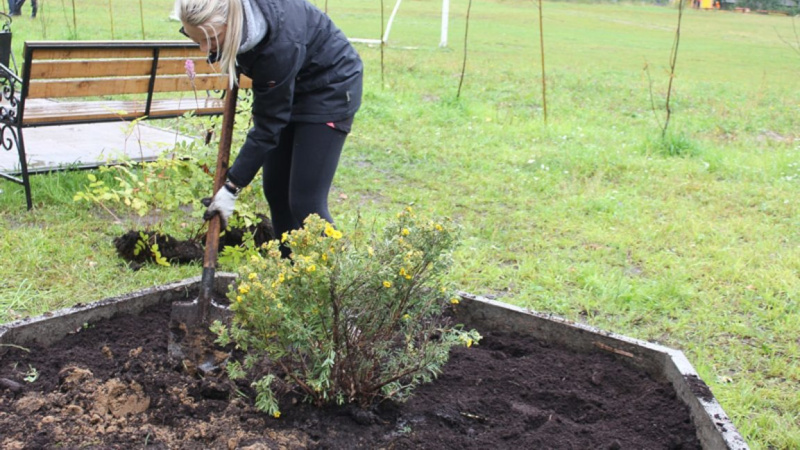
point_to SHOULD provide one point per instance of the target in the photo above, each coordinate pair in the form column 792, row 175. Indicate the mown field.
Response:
column 691, row 241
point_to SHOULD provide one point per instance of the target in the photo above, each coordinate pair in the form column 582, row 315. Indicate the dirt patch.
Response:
column 111, row 385
column 135, row 246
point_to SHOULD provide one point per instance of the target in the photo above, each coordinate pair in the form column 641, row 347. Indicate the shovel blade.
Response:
column 191, row 343
column 191, row 314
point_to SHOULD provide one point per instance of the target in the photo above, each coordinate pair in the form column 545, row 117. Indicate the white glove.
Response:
column 221, row 204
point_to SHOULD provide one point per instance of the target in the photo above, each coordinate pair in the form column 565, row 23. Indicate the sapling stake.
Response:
column 673, row 59
column 74, row 20
column 382, row 44
column 141, row 17
column 464, row 62
column 111, row 17
column 544, row 78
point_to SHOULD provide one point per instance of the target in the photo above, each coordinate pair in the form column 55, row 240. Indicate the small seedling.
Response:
column 31, row 375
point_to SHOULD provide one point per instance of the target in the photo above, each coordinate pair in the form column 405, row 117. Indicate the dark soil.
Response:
column 183, row 251
column 112, row 385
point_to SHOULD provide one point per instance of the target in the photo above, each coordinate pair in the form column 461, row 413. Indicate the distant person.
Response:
column 15, row 7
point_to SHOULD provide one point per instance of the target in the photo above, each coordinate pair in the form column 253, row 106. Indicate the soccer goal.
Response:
column 385, row 38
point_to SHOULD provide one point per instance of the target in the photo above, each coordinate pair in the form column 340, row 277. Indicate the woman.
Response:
column 306, row 89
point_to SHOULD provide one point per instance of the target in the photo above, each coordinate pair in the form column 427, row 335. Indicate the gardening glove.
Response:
column 222, row 203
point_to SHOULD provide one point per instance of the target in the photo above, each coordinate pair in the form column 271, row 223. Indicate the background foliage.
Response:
column 694, row 244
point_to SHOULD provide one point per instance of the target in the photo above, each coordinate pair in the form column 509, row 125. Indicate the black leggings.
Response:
column 298, row 174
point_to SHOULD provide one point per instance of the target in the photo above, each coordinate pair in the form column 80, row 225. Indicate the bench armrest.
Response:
column 9, row 96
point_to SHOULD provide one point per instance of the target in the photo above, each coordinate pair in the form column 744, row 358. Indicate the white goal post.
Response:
column 385, row 38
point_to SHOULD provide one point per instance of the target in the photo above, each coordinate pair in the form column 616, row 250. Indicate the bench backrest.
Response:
column 60, row 69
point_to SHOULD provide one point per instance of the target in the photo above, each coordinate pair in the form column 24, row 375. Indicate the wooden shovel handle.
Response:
column 215, row 224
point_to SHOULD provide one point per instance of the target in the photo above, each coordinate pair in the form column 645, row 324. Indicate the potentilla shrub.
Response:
column 349, row 318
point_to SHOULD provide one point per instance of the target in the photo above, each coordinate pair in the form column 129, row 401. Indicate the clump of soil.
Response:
column 177, row 251
column 112, row 385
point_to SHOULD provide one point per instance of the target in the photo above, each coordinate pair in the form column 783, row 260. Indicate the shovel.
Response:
column 191, row 342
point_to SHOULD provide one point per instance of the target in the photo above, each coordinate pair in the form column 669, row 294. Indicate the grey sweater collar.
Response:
column 254, row 26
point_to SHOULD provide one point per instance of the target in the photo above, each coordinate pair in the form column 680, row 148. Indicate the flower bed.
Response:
column 78, row 378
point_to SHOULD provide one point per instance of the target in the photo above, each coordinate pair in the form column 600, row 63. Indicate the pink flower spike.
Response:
column 190, row 69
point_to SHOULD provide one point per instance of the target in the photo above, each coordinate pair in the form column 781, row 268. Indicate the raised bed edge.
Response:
column 45, row 329
column 714, row 427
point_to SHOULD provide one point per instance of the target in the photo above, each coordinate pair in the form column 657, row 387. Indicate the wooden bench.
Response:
column 79, row 82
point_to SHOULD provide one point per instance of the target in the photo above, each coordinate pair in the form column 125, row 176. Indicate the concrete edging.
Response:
column 53, row 326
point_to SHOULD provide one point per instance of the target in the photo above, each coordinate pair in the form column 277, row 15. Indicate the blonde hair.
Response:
column 209, row 16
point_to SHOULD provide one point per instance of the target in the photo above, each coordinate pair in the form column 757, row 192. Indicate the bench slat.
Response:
column 123, row 85
column 51, row 69
column 124, row 53
column 53, row 112
column 168, row 66
column 182, row 53
column 88, row 53
column 47, row 70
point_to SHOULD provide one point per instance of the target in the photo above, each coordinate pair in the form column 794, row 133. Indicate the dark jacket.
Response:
column 304, row 70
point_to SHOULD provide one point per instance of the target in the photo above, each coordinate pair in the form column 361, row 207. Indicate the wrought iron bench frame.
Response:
column 71, row 71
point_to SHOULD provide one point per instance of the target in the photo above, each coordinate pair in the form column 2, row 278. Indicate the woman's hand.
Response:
column 221, row 204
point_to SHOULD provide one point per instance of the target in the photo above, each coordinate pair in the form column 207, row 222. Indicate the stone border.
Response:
column 715, row 430
column 53, row 326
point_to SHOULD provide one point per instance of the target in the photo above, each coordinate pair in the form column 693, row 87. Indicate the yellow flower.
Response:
column 332, row 232
column 454, row 301
column 324, row 257
column 370, row 251
column 406, row 317
column 311, row 268
column 405, row 232
column 254, row 258
column 387, row 284
column 438, row 227
column 276, row 414
column 252, row 276
column 238, row 299
column 469, row 343
column 281, row 277
column 405, row 274
column 244, row 289
column 284, row 237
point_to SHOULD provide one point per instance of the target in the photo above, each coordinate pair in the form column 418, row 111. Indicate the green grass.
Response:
column 692, row 242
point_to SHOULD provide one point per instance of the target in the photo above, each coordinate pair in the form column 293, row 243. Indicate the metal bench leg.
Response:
column 23, row 167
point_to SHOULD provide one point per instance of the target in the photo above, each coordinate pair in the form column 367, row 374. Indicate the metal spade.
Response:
column 191, row 342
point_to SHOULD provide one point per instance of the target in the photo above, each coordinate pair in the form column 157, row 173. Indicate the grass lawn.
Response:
column 692, row 241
